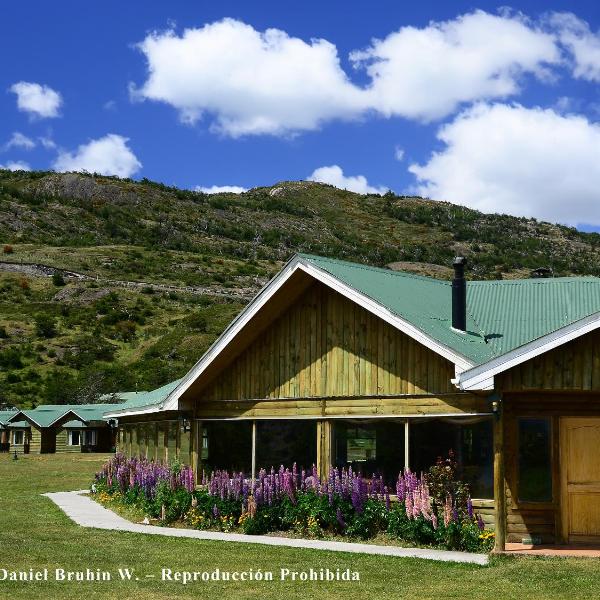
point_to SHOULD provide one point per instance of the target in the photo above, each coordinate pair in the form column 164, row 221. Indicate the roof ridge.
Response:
column 372, row 268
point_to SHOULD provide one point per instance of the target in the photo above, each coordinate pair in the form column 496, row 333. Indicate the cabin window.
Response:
column 18, row 438
column 471, row 445
column 535, row 460
column 89, row 437
column 204, row 445
column 229, row 446
column 370, row 447
column 185, row 433
column 284, row 442
column 74, row 437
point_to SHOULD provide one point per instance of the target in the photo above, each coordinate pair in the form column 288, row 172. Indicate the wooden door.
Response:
column 580, row 479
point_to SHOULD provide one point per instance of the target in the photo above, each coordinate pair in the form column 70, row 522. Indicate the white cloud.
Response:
column 221, row 189
column 582, row 43
column 47, row 143
column 334, row 175
column 525, row 162
column 19, row 140
column 399, row 153
column 16, row 165
column 251, row 82
column 37, row 100
column 108, row 155
column 427, row 73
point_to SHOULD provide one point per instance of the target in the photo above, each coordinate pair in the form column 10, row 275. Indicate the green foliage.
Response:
column 45, row 325
column 58, row 279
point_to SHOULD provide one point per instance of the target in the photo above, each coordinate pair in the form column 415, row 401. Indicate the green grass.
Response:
column 36, row 534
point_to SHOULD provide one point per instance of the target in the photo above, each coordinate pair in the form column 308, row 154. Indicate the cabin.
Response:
column 61, row 428
column 343, row 364
column 5, row 416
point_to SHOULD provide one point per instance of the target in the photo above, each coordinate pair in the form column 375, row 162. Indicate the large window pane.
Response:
column 372, row 447
column 172, row 443
column 535, row 464
column 471, row 444
column 229, row 446
column 285, row 443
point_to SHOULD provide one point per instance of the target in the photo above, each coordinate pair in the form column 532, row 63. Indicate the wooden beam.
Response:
column 324, row 450
column 499, row 483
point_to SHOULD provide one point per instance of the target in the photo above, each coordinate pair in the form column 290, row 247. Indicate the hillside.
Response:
column 146, row 276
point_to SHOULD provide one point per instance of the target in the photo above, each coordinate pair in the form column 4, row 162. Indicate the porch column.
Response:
column 253, row 451
column 499, row 484
column 324, row 452
column 406, row 446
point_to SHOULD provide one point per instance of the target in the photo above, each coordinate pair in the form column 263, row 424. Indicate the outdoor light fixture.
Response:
column 112, row 423
column 15, row 456
column 496, row 405
column 185, row 423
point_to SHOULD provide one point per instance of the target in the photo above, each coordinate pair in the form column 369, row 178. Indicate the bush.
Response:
column 45, row 325
column 344, row 504
column 58, row 279
column 8, row 249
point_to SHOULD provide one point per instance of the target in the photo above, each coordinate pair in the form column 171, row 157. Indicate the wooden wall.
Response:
column 572, row 366
column 540, row 519
column 326, row 345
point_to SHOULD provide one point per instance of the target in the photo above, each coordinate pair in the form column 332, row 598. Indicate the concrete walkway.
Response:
column 580, row 551
column 88, row 513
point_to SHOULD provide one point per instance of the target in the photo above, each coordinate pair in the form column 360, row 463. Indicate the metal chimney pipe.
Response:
column 459, row 295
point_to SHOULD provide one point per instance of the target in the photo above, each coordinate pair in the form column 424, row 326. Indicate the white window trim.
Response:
column 70, row 433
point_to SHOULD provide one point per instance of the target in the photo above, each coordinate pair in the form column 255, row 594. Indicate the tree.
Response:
column 45, row 325
column 57, row 279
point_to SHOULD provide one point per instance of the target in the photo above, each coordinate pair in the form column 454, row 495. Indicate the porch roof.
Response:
column 141, row 400
column 6, row 416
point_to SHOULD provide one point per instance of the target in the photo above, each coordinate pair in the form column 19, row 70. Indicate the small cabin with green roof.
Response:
column 61, row 428
column 5, row 416
column 343, row 364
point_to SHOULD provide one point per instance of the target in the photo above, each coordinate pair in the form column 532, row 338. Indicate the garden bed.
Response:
column 433, row 510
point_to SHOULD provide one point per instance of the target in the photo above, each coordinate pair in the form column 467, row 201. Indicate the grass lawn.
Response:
column 36, row 534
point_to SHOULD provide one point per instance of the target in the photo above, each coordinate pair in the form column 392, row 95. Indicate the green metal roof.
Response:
column 144, row 399
column 74, row 424
column 19, row 425
column 501, row 315
column 47, row 414
column 5, row 416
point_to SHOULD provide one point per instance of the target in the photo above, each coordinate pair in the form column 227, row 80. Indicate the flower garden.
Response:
column 432, row 510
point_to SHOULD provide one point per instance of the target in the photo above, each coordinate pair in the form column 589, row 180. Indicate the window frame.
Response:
column 70, row 433
column 523, row 504
column 22, row 433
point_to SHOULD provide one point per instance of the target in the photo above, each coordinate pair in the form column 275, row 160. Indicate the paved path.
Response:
column 87, row 513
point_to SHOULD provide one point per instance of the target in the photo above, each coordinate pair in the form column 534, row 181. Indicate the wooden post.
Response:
column 499, row 484
column 166, row 442
column 406, row 446
column 253, row 451
column 323, row 448
column 194, row 448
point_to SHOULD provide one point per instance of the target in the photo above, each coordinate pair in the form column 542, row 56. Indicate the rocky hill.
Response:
column 110, row 284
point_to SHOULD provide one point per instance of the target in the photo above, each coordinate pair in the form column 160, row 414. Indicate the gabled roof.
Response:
column 6, row 416
column 508, row 319
column 138, row 401
column 47, row 415
column 74, row 424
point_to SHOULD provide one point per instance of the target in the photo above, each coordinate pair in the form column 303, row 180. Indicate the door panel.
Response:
column 580, row 479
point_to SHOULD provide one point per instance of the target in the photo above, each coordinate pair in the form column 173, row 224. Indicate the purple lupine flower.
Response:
column 480, row 523
column 340, row 519
column 470, row 507
column 215, row 511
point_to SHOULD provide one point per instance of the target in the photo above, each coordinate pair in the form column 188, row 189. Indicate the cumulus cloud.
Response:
column 221, row 189
column 252, row 82
column 19, row 140
column 16, row 165
column 109, row 155
column 399, row 153
column 37, row 100
column 522, row 161
column 582, row 43
column 334, row 175
column 427, row 73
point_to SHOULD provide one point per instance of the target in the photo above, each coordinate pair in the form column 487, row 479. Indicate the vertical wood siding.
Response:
column 326, row 345
column 572, row 366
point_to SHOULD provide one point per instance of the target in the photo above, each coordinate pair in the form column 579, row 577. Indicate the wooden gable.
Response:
column 573, row 366
column 325, row 345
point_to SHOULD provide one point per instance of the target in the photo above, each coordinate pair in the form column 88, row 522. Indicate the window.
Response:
column 370, row 447
column 204, row 451
column 535, row 460
column 73, row 437
column 18, row 438
column 470, row 442
column 284, row 442
column 89, row 437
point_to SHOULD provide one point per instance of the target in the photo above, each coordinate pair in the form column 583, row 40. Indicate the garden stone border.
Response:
column 87, row 513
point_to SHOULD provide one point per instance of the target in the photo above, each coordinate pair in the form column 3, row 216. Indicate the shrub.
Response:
column 8, row 249
column 287, row 500
column 58, row 279
column 45, row 325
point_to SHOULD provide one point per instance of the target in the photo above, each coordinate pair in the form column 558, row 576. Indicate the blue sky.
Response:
column 493, row 108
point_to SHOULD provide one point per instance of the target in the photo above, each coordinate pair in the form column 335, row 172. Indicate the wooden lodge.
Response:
column 340, row 364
